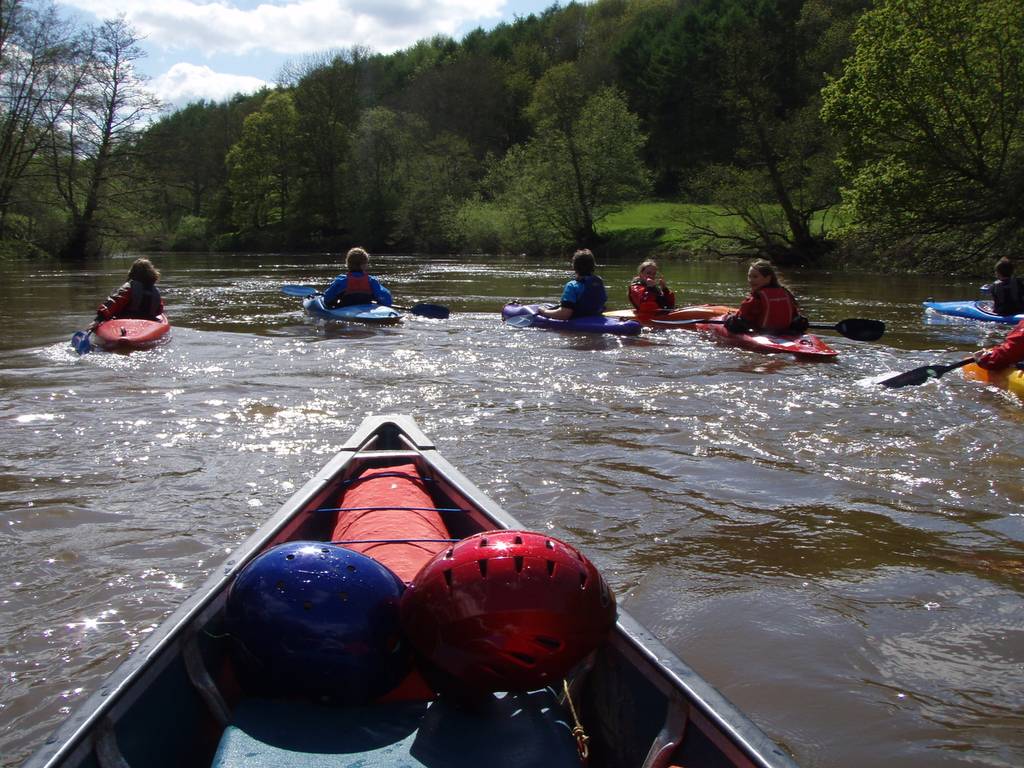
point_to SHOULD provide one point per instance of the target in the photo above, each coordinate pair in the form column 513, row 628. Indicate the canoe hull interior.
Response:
column 180, row 698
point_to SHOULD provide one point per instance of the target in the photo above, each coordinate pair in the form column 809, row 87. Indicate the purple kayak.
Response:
column 526, row 316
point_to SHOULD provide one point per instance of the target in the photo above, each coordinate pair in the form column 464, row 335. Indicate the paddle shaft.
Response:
column 852, row 328
column 922, row 374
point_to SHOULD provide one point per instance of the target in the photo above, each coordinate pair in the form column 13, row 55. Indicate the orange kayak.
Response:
column 1011, row 379
column 669, row 317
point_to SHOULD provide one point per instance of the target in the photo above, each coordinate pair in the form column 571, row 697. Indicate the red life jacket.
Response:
column 357, row 289
column 780, row 309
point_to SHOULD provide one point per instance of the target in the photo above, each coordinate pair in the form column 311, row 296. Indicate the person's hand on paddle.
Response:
column 981, row 355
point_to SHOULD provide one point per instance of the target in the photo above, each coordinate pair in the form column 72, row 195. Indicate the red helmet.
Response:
column 506, row 611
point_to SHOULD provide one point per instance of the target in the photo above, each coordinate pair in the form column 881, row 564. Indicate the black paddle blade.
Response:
column 922, row 374
column 435, row 311
column 861, row 330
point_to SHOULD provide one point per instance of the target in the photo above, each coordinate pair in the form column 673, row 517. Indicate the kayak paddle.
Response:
column 922, row 374
column 853, row 328
column 299, row 290
column 80, row 341
column 436, row 311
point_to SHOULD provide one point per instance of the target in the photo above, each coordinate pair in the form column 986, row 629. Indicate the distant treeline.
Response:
column 893, row 128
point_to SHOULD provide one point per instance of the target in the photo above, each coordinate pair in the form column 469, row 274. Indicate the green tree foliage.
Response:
column 328, row 99
column 262, row 166
column 582, row 163
column 931, row 111
column 379, row 167
column 183, row 158
column 770, row 56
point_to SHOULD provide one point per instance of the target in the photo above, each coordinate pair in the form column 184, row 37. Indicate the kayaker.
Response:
column 582, row 296
column 356, row 286
column 137, row 298
column 1007, row 290
column 1010, row 352
column 770, row 307
column 648, row 292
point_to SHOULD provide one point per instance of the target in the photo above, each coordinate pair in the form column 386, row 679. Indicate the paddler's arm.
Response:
column 562, row 313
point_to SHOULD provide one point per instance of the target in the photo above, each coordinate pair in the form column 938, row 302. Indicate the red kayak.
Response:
column 806, row 346
column 131, row 333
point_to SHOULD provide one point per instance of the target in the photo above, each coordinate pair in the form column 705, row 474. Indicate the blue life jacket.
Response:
column 593, row 298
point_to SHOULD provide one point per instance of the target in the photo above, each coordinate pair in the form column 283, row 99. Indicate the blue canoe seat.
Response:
column 513, row 730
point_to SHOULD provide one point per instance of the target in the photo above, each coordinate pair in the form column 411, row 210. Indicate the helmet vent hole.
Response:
column 519, row 564
column 551, row 567
column 523, row 658
column 448, row 555
column 583, row 579
column 519, row 540
column 279, row 585
column 549, row 544
column 483, row 542
column 483, row 567
column 289, row 556
column 448, row 577
column 550, row 643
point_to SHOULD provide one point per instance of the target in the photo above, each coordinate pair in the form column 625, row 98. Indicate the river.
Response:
column 843, row 561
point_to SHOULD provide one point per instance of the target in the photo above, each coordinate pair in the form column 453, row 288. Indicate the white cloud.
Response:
column 292, row 28
column 184, row 83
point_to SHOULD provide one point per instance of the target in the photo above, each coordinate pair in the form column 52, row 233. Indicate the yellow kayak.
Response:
column 1005, row 378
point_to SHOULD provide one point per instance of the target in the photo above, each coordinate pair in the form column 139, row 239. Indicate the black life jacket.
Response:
column 1008, row 296
column 144, row 302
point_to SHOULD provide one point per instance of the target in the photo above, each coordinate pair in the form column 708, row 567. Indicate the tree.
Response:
column 771, row 58
column 382, row 150
column 90, row 154
column 262, row 166
column 931, row 112
column 582, row 163
column 42, row 65
column 327, row 101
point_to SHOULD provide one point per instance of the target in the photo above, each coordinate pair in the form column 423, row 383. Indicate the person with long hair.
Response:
column 770, row 307
column 137, row 298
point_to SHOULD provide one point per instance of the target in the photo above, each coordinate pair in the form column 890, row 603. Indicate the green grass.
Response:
column 664, row 226
column 661, row 226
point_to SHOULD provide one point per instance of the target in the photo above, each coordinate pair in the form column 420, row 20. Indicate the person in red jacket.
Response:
column 1008, row 353
column 137, row 298
column 648, row 292
column 770, row 307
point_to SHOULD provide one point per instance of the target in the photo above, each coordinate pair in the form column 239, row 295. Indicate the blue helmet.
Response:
column 316, row 618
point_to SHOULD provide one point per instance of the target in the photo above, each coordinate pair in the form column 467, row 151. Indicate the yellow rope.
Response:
column 577, row 731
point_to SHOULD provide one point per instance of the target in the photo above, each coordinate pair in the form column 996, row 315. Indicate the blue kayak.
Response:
column 974, row 310
column 526, row 316
column 373, row 314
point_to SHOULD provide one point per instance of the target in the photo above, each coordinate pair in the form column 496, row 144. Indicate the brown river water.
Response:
column 843, row 561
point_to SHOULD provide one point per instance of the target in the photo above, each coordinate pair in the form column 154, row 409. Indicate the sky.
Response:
column 198, row 49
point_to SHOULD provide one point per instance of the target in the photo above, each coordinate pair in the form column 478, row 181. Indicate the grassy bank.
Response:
column 663, row 228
